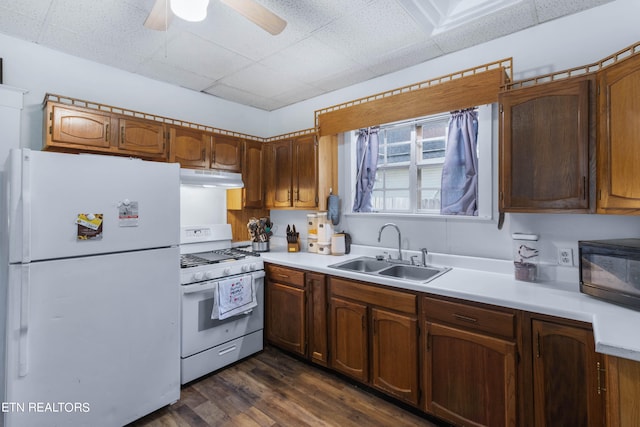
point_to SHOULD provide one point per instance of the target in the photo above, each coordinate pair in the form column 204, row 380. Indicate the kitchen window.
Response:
column 409, row 168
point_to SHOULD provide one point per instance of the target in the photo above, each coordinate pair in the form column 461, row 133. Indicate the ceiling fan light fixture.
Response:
column 190, row 10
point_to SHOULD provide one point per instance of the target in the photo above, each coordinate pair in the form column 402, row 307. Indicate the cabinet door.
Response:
column 69, row 126
column 189, row 147
column 545, row 148
column 305, row 180
column 141, row 136
column 394, row 352
column 286, row 320
column 623, row 389
column 565, row 376
column 226, row 153
column 280, row 168
column 349, row 343
column 469, row 378
column 618, row 147
column 317, row 316
column 252, row 175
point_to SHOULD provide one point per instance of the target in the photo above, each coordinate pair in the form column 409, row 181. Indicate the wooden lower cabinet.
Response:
column 623, row 390
column 286, row 309
column 316, row 287
column 394, row 354
column 467, row 363
column 567, row 376
column 469, row 376
column 296, row 312
column 374, row 336
column 349, row 338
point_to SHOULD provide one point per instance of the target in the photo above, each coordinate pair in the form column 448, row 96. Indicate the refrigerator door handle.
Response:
column 26, row 206
column 23, row 365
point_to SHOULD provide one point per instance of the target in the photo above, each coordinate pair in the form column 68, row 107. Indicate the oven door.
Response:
column 200, row 332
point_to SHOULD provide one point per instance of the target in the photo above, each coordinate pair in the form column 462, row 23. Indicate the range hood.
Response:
column 211, row 178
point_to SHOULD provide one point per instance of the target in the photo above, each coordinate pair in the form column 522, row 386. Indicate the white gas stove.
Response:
column 206, row 253
column 209, row 264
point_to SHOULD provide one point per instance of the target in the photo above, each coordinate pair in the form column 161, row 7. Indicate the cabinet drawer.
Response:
column 470, row 317
column 285, row 275
column 382, row 297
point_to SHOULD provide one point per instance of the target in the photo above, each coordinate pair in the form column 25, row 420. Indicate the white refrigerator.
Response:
column 90, row 283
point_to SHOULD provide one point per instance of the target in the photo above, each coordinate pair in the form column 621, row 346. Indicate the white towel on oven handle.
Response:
column 234, row 296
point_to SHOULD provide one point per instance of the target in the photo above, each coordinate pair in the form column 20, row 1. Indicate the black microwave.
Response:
column 610, row 270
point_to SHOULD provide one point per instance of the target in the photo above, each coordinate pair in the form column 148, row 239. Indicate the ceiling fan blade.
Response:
column 258, row 14
column 159, row 17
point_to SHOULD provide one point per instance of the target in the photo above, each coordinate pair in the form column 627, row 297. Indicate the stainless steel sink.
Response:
column 382, row 268
column 363, row 265
column 412, row 272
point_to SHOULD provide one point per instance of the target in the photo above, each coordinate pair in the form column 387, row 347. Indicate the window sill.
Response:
column 463, row 218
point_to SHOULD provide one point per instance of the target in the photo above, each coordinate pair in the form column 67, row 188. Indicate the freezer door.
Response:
column 93, row 341
column 67, row 205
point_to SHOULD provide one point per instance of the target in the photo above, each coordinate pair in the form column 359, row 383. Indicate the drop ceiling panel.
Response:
column 197, row 55
column 310, row 60
column 509, row 20
column 326, row 45
column 379, row 29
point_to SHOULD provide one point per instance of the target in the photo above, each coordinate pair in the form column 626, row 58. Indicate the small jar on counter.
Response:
column 525, row 256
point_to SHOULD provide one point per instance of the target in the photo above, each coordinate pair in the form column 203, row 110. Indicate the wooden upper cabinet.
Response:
column 618, row 138
column 76, row 129
column 69, row 126
column 305, row 180
column 566, row 374
column 189, row 147
column 141, row 136
column 279, row 167
column 253, row 175
column 292, row 173
column 545, row 144
column 226, row 153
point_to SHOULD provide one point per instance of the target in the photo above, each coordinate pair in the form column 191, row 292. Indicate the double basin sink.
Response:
column 391, row 269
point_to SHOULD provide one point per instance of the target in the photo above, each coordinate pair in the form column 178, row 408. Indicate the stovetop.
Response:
column 215, row 256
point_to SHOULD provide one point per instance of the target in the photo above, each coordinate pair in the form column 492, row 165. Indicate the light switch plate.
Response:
column 565, row 257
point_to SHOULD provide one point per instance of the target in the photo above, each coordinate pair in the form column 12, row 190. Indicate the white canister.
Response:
column 312, row 245
column 321, row 224
column 338, row 246
column 312, row 224
column 324, row 248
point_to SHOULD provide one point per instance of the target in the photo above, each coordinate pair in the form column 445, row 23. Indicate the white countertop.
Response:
column 492, row 282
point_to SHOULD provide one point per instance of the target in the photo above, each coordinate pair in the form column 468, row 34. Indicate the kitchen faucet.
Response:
column 390, row 224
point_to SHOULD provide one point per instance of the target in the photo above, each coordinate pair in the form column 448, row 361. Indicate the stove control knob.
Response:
column 244, row 268
column 226, row 271
column 253, row 266
column 210, row 274
column 197, row 276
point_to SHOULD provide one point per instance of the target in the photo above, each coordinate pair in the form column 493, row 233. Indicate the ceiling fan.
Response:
column 164, row 10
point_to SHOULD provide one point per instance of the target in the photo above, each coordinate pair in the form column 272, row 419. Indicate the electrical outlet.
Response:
column 565, row 257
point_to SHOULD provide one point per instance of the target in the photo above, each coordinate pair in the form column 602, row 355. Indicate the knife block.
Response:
column 293, row 247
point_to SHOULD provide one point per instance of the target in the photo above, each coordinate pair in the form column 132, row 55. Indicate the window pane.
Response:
column 399, row 134
column 399, row 153
column 433, row 138
column 397, row 200
column 433, row 149
column 396, row 178
column 429, row 178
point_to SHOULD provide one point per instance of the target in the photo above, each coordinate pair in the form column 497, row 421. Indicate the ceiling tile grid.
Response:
column 326, row 45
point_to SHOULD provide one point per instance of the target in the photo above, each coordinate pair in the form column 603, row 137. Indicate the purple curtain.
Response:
column 367, row 165
column 460, row 169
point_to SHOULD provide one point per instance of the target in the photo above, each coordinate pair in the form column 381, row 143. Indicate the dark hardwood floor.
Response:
column 275, row 389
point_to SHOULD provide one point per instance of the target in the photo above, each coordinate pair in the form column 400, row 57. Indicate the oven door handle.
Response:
column 199, row 287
